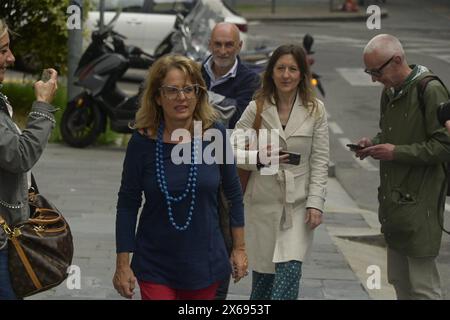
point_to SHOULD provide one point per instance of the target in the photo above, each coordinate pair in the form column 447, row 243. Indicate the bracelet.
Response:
column 36, row 113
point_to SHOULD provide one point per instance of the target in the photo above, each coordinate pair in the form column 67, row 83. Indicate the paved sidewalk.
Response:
column 84, row 183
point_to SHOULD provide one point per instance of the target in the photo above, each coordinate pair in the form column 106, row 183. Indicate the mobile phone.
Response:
column 46, row 75
column 354, row 147
column 294, row 158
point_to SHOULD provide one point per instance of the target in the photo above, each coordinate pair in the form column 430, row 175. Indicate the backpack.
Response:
column 422, row 85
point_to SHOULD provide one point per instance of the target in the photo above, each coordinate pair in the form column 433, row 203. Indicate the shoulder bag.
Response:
column 40, row 249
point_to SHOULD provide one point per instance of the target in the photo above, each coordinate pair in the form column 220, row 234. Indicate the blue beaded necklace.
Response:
column 162, row 183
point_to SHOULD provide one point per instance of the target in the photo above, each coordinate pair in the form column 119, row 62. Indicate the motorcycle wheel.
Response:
column 80, row 124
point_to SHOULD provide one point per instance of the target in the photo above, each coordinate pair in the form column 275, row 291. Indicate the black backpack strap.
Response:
column 422, row 86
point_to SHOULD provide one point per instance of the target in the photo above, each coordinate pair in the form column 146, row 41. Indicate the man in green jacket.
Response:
column 412, row 148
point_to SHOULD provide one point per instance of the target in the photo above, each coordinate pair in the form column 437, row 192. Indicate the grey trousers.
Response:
column 413, row 278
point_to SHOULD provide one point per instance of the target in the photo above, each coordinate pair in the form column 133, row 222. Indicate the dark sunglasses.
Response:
column 378, row 72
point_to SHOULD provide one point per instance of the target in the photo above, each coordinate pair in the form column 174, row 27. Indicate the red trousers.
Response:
column 154, row 291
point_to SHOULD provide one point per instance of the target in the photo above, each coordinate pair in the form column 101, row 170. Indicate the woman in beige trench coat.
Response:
column 285, row 205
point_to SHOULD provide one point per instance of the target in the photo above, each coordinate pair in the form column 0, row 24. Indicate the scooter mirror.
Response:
column 116, row 34
column 179, row 19
column 308, row 41
column 111, row 23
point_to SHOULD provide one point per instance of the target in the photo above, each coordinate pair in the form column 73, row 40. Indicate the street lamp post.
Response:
column 102, row 15
column 75, row 44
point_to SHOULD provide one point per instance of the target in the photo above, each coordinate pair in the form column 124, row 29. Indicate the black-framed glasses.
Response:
column 173, row 93
column 378, row 72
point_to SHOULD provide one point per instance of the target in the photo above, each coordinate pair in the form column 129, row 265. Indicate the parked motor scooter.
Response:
column 308, row 41
column 99, row 69
column 101, row 66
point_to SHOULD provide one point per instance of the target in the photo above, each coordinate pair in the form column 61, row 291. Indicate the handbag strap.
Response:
column 26, row 263
column 12, row 236
column 258, row 117
column 56, row 217
column 4, row 226
column 34, row 184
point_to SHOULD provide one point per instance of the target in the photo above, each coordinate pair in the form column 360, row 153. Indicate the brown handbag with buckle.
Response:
column 40, row 249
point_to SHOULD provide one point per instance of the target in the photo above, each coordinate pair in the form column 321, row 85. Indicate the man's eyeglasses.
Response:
column 173, row 93
column 378, row 72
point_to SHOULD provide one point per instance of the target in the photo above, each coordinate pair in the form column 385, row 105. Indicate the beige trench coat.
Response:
column 275, row 205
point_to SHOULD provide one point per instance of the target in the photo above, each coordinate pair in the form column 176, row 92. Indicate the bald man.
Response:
column 224, row 72
column 412, row 148
column 226, row 76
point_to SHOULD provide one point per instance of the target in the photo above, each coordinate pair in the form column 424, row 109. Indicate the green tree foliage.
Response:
column 41, row 33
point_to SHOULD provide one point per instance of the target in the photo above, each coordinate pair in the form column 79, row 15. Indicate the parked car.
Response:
column 146, row 23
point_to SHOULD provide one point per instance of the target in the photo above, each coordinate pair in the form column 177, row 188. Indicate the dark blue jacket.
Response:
column 241, row 88
column 191, row 259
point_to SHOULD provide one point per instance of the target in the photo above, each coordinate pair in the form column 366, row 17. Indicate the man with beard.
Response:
column 234, row 83
column 224, row 72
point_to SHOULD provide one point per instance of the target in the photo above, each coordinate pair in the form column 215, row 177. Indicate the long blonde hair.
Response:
column 268, row 91
column 3, row 27
column 150, row 114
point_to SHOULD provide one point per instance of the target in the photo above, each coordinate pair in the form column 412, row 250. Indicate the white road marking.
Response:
column 357, row 77
column 445, row 57
column 411, row 44
column 334, row 127
column 432, row 50
column 365, row 164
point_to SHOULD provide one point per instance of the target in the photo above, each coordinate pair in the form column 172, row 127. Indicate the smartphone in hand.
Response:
column 354, row 147
column 294, row 158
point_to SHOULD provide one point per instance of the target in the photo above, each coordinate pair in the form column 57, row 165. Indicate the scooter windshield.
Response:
column 192, row 36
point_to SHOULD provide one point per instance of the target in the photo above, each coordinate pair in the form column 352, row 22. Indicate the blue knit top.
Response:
column 190, row 259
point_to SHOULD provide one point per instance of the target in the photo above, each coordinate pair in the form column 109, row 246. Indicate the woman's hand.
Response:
column 45, row 91
column 124, row 280
column 313, row 217
column 269, row 155
column 239, row 263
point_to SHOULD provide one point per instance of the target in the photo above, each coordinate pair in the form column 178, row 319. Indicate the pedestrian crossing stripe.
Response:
column 357, row 77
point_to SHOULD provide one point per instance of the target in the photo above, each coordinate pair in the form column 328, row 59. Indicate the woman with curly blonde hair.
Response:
column 178, row 249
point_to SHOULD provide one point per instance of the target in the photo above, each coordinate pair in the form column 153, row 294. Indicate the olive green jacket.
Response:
column 413, row 185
